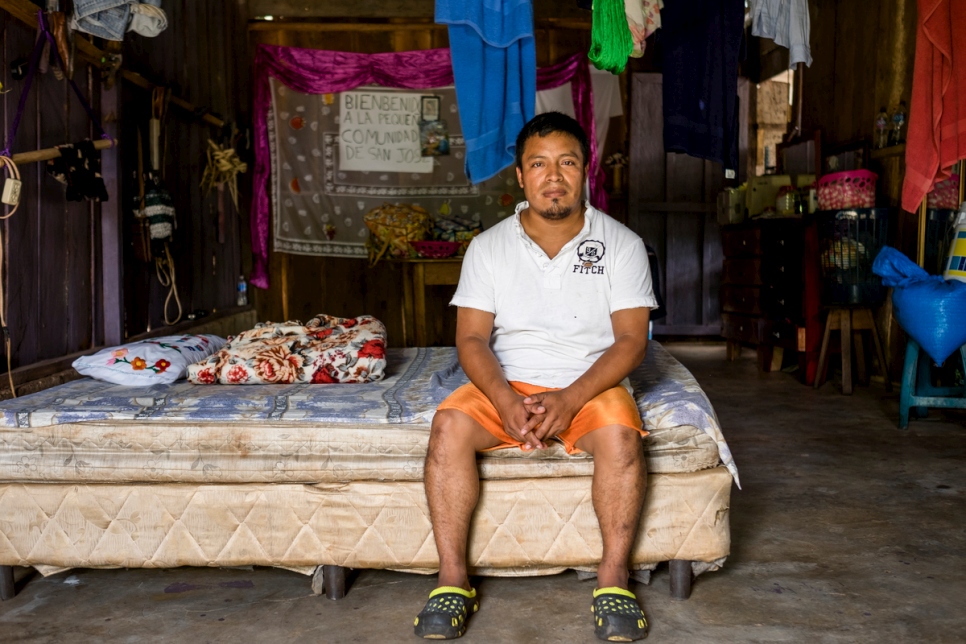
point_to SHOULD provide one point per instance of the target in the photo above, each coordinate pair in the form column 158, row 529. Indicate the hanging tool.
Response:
column 155, row 205
column 159, row 109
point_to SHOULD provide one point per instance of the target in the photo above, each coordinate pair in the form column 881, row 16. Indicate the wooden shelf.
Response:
column 891, row 151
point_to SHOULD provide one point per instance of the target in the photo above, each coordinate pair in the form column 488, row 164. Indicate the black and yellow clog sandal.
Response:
column 617, row 615
column 444, row 616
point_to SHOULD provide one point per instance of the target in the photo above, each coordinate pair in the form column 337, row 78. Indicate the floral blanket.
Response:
column 327, row 349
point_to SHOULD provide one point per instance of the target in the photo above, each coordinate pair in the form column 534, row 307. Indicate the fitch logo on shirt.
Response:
column 590, row 252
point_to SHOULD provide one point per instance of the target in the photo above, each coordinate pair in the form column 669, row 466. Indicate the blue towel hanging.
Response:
column 495, row 68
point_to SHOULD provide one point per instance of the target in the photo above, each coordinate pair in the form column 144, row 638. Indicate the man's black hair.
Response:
column 547, row 123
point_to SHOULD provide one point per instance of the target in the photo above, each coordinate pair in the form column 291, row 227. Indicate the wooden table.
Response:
column 417, row 275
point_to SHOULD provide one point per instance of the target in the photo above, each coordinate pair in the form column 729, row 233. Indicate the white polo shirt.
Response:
column 552, row 316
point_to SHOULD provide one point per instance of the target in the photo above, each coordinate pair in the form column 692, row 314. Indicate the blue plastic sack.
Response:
column 930, row 309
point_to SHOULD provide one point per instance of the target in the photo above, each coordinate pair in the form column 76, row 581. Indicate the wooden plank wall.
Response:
column 862, row 60
column 304, row 286
column 863, row 55
column 49, row 247
column 53, row 246
column 203, row 56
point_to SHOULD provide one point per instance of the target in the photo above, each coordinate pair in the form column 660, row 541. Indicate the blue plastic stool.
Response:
column 918, row 394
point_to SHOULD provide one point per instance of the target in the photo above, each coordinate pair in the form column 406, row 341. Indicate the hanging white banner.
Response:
column 379, row 131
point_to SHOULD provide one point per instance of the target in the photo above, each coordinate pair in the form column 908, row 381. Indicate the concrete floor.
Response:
column 847, row 530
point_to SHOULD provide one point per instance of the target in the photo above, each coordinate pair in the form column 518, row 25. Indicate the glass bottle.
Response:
column 881, row 129
column 898, row 122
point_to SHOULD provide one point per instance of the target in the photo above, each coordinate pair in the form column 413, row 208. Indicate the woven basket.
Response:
column 945, row 194
column 391, row 229
column 852, row 189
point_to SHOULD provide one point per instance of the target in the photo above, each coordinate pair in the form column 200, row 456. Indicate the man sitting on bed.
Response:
column 553, row 316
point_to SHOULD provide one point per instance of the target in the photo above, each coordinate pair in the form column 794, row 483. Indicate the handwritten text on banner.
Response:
column 379, row 131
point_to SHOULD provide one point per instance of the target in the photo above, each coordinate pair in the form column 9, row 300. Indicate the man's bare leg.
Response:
column 620, row 481
column 453, row 488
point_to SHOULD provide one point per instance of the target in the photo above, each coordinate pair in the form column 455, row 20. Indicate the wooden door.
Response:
column 672, row 207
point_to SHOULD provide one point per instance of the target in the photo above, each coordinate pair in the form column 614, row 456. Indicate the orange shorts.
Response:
column 612, row 407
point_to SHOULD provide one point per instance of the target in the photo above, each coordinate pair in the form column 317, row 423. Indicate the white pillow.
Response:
column 149, row 362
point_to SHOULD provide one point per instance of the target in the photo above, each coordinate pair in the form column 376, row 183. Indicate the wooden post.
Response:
column 419, row 303
column 845, row 332
column 733, row 350
column 112, row 237
column 830, row 323
column 408, row 318
column 286, row 260
column 921, row 238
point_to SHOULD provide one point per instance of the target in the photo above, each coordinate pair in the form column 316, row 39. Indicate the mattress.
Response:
column 94, row 432
column 521, row 527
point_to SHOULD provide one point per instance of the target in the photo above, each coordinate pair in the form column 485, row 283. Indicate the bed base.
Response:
column 332, row 581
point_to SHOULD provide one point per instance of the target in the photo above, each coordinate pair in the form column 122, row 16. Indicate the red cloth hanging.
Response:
column 937, row 120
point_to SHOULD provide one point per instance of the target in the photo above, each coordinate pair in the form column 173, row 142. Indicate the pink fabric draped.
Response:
column 316, row 71
column 575, row 70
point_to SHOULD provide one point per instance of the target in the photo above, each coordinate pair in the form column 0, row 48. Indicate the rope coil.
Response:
column 164, row 267
column 13, row 172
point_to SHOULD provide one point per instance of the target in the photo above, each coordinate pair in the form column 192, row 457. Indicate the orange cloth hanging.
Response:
column 937, row 120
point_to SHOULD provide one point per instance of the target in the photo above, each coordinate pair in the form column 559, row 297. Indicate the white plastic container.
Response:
column 731, row 206
column 956, row 263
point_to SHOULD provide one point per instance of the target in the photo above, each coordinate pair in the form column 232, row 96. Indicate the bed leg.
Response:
column 334, row 578
column 7, row 587
column 680, row 578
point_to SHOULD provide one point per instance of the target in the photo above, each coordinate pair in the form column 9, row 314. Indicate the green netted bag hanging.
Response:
column 611, row 43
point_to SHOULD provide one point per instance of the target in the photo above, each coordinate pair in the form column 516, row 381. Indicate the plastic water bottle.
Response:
column 242, row 298
column 956, row 263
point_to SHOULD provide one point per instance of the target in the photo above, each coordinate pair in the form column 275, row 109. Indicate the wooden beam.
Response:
column 891, row 151
column 685, row 329
column 677, row 206
column 303, row 26
column 141, row 81
column 365, row 26
column 52, row 153
column 405, row 9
